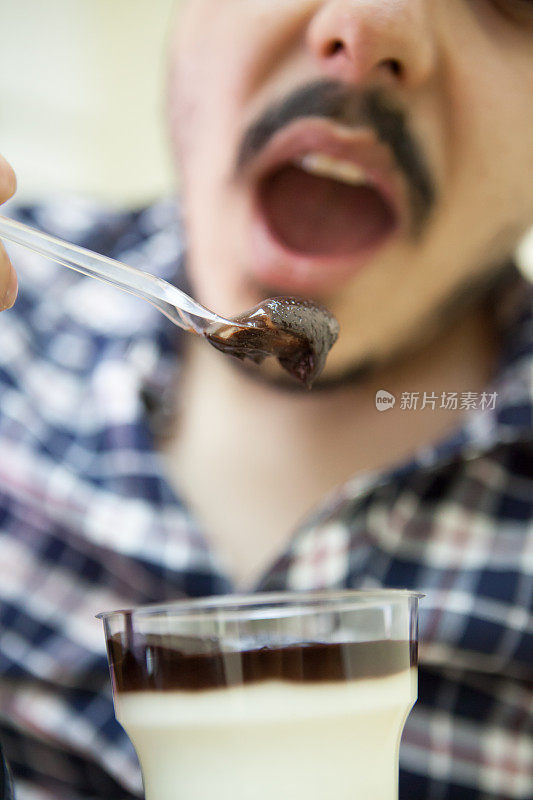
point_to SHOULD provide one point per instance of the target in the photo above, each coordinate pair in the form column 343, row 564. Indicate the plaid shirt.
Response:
column 88, row 521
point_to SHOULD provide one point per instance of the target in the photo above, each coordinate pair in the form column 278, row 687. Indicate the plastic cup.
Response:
column 300, row 695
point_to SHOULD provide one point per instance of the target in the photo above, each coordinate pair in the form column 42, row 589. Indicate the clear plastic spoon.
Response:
column 175, row 304
column 298, row 333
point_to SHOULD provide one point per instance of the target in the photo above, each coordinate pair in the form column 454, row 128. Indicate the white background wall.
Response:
column 82, row 92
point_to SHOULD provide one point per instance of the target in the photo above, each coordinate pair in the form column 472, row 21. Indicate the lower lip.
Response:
column 275, row 266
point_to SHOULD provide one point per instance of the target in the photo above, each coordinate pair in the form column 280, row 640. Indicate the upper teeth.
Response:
column 329, row 167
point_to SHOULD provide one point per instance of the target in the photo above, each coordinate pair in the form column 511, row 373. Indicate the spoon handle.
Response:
column 175, row 304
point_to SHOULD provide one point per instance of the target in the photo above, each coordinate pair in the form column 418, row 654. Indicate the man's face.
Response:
column 374, row 155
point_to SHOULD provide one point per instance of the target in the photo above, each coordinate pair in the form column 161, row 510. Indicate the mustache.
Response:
column 352, row 108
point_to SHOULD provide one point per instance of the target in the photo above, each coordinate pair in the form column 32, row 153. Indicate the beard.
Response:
column 474, row 293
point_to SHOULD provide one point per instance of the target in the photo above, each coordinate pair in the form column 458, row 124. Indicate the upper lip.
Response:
column 360, row 147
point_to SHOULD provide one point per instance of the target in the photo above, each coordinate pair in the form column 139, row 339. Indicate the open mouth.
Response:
column 318, row 205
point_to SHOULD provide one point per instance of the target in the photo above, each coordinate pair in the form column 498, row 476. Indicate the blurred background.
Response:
column 82, row 95
column 82, row 98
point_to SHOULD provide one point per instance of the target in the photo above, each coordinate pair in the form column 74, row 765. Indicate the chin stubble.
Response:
column 473, row 293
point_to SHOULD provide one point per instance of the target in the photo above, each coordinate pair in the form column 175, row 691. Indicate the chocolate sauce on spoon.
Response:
column 299, row 333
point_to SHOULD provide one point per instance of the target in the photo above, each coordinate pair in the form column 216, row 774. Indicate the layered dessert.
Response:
column 295, row 720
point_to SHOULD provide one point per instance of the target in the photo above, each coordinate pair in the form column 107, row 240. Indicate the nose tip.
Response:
column 347, row 56
column 365, row 41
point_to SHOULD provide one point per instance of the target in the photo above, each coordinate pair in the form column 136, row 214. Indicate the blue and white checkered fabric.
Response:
column 88, row 522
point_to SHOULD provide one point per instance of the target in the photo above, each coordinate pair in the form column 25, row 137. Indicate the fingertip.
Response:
column 8, row 180
column 11, row 292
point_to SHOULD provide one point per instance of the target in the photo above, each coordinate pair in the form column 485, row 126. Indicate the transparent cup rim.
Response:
column 327, row 600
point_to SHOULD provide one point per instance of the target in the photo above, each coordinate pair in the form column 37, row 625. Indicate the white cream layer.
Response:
column 275, row 740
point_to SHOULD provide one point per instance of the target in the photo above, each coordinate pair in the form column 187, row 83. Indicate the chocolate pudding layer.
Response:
column 173, row 663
